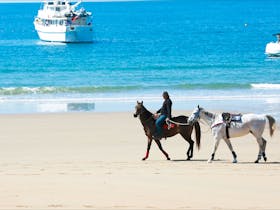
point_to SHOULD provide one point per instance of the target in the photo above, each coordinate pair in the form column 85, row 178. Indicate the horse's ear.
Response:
column 141, row 103
column 198, row 107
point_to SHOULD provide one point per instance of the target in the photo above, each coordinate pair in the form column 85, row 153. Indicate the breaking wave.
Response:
column 10, row 91
column 266, row 86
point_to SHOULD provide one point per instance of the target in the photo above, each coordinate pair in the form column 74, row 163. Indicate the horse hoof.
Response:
column 257, row 161
column 168, row 158
column 209, row 161
column 144, row 159
column 265, row 159
column 234, row 161
column 189, row 158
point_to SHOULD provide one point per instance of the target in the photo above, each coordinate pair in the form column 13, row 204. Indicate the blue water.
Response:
column 209, row 52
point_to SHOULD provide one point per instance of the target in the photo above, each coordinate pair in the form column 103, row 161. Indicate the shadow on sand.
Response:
column 263, row 163
column 194, row 160
column 226, row 161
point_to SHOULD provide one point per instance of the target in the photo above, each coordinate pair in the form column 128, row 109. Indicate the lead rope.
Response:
column 177, row 123
column 185, row 124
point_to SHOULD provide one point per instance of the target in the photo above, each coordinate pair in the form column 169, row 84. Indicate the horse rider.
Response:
column 163, row 114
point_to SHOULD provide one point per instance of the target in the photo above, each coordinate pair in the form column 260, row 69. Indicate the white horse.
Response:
column 249, row 123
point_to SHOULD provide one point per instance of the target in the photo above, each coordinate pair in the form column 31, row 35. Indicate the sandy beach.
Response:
column 93, row 161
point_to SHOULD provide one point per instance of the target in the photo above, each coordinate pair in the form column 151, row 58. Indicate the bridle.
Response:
column 140, row 113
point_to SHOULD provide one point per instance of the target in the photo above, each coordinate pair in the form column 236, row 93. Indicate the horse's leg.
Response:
column 215, row 146
column 191, row 143
column 161, row 149
column 231, row 149
column 148, row 148
column 264, row 147
column 190, row 150
column 260, row 142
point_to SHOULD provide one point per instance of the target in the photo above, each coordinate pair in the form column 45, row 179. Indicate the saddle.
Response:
column 228, row 118
column 168, row 126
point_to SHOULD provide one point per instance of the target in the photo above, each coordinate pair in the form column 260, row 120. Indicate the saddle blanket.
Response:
column 171, row 125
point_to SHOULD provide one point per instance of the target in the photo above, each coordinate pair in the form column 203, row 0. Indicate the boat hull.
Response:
column 273, row 49
column 65, row 34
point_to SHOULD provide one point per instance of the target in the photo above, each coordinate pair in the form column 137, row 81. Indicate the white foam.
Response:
column 273, row 100
column 51, row 107
column 265, row 86
column 50, row 43
column 86, row 99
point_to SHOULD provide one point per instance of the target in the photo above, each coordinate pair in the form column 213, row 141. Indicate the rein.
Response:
column 145, row 120
column 149, row 118
column 212, row 125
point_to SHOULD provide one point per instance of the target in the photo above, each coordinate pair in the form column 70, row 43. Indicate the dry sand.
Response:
column 93, row 161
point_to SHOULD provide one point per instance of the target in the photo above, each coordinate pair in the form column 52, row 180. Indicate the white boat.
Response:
column 273, row 48
column 60, row 21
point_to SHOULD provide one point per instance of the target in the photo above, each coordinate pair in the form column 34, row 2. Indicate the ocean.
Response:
column 207, row 52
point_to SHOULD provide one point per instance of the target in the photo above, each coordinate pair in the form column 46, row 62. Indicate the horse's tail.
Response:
column 272, row 124
column 197, row 134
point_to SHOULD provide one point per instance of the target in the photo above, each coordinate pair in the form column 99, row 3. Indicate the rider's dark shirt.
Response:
column 166, row 108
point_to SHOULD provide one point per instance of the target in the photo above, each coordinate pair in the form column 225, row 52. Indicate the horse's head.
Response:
column 195, row 115
column 138, row 108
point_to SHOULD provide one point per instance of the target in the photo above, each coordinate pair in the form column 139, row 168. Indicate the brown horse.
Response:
column 148, row 122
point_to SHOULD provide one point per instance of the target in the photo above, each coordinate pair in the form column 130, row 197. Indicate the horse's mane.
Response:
column 146, row 111
column 208, row 114
column 147, row 120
